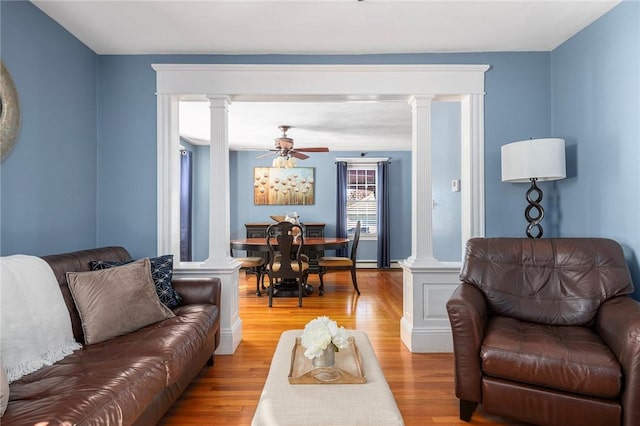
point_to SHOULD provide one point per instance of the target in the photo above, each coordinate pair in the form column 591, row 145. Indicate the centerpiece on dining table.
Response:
column 322, row 338
column 291, row 217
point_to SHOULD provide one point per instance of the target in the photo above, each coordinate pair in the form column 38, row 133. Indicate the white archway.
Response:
column 427, row 282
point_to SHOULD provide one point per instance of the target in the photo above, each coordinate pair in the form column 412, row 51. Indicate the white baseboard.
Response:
column 230, row 339
column 426, row 340
column 373, row 264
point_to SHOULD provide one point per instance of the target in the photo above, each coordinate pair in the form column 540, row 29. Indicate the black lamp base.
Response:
column 534, row 197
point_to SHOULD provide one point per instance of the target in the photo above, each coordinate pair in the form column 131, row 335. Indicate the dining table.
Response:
column 314, row 243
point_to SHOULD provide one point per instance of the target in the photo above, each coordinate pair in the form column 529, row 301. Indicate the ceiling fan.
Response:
column 284, row 150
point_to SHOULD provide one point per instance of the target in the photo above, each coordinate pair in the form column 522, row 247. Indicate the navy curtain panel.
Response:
column 186, row 189
column 384, row 255
column 341, row 204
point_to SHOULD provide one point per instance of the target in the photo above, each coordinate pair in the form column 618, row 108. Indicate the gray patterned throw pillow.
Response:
column 162, row 273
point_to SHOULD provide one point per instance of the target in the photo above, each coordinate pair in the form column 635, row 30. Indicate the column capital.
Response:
column 219, row 100
column 420, row 100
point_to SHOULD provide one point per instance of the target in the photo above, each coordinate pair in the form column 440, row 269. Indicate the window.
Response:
column 361, row 199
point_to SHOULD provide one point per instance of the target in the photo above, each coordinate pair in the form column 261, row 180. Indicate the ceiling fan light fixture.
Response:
column 285, row 152
column 284, row 162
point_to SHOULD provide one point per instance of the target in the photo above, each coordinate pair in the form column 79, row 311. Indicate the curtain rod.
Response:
column 362, row 159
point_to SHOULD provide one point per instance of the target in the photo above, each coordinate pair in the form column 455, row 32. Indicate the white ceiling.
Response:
column 340, row 126
column 320, row 27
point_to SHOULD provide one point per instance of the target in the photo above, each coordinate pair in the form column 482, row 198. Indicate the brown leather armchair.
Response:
column 544, row 332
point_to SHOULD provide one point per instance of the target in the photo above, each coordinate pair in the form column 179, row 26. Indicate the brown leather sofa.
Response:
column 544, row 332
column 128, row 380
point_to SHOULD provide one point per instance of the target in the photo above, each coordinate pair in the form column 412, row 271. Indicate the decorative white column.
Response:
column 421, row 198
column 220, row 261
column 219, row 205
column 427, row 283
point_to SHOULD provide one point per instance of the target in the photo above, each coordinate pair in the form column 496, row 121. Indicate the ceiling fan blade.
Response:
column 268, row 154
column 298, row 155
column 318, row 149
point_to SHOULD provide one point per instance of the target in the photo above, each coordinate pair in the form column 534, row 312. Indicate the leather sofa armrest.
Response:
column 198, row 290
column 468, row 315
column 618, row 324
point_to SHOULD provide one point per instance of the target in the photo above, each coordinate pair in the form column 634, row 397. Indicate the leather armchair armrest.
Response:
column 468, row 315
column 198, row 290
column 618, row 324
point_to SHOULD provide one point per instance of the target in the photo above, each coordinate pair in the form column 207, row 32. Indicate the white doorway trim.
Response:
column 225, row 83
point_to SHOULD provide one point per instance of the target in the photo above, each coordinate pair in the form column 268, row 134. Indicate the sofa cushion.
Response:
column 571, row 359
column 120, row 376
column 116, row 301
column 162, row 273
column 176, row 341
column 561, row 281
column 100, row 385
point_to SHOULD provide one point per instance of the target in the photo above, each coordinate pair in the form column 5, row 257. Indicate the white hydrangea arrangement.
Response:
column 322, row 333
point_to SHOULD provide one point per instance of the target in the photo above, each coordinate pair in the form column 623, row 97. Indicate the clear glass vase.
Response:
column 327, row 359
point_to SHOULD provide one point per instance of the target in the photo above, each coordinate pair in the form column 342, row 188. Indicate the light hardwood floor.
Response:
column 422, row 384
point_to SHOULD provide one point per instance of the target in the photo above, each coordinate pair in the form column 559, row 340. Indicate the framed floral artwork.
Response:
column 281, row 186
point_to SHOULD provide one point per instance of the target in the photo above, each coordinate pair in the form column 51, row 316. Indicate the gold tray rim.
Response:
column 309, row 377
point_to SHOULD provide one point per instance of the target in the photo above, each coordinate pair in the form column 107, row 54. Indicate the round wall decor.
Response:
column 9, row 113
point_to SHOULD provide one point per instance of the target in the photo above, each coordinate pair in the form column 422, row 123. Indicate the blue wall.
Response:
column 596, row 109
column 244, row 211
column 48, row 183
column 445, row 167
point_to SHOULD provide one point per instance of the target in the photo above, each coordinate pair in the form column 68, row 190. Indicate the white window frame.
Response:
column 364, row 234
column 369, row 163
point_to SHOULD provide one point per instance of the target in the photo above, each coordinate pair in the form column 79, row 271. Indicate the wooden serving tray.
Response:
column 347, row 368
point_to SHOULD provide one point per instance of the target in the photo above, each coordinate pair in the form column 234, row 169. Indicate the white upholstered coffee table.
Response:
column 282, row 403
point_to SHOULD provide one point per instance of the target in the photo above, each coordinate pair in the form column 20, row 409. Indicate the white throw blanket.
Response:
column 35, row 328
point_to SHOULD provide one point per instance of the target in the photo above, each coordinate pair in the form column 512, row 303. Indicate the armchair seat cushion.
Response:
column 566, row 358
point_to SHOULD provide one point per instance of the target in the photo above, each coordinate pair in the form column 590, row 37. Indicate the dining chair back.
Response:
column 337, row 263
column 285, row 241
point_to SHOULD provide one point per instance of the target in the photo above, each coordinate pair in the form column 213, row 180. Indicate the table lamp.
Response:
column 531, row 161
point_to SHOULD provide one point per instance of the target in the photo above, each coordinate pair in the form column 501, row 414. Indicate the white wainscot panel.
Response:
column 425, row 325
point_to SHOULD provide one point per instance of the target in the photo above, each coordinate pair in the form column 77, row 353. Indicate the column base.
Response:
column 426, row 288
column 226, row 270
column 427, row 339
column 230, row 339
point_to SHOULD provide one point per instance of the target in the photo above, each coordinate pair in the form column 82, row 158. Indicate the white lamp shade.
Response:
column 542, row 159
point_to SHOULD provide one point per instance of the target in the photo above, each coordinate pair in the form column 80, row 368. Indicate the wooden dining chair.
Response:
column 336, row 263
column 285, row 257
column 253, row 265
